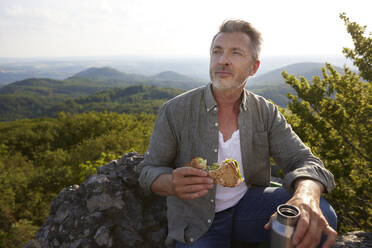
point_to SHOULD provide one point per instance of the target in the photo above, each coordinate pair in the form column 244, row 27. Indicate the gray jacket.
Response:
column 187, row 127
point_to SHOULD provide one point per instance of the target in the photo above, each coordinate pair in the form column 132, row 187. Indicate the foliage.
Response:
column 333, row 116
column 89, row 168
column 362, row 52
column 40, row 157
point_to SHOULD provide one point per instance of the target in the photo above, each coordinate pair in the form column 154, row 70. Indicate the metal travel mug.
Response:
column 283, row 226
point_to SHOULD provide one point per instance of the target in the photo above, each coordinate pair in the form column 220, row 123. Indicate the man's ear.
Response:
column 255, row 67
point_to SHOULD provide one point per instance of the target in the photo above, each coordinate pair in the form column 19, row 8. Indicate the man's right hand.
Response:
column 186, row 183
column 191, row 183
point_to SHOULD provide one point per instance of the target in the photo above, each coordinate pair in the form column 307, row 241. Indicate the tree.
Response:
column 362, row 52
column 40, row 157
column 333, row 116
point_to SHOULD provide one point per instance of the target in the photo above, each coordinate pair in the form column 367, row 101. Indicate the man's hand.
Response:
column 312, row 223
column 186, row 183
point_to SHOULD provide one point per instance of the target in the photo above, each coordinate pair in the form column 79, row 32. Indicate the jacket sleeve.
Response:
column 292, row 155
column 161, row 152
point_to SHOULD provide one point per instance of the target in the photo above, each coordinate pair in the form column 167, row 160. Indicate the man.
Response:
column 223, row 120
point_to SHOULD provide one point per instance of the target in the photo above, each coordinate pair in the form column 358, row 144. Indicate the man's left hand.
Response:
column 312, row 224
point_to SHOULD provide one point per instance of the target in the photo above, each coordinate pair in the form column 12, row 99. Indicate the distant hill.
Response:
column 308, row 70
column 99, row 89
column 117, row 78
column 94, row 80
column 172, row 76
column 104, row 73
column 276, row 93
column 37, row 97
column 20, row 107
column 131, row 99
column 271, row 85
column 7, row 77
column 45, row 87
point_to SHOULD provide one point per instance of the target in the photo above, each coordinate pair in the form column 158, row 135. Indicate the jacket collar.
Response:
column 210, row 102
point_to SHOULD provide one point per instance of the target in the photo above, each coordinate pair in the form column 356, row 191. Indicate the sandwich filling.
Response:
column 227, row 174
column 229, row 162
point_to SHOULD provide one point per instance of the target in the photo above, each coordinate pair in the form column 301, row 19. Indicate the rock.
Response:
column 110, row 209
column 103, row 237
column 104, row 201
column 356, row 239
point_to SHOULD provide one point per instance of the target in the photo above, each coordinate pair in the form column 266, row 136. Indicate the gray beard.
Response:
column 221, row 86
column 235, row 87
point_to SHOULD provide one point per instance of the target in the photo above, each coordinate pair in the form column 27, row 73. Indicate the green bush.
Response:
column 333, row 116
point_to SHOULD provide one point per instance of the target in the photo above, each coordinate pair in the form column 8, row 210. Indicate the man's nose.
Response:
column 224, row 59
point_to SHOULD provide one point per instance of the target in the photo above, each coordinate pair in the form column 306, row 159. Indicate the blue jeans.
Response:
column 244, row 223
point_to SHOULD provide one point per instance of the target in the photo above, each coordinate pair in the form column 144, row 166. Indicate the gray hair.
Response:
column 231, row 26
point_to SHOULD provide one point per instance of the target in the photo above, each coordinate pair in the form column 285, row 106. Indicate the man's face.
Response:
column 231, row 61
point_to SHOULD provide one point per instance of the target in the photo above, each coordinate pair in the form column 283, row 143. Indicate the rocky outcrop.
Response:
column 110, row 209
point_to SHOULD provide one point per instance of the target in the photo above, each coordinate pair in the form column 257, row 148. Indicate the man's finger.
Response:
column 312, row 235
column 318, row 234
column 267, row 226
column 331, row 237
column 193, row 180
column 301, row 228
column 189, row 171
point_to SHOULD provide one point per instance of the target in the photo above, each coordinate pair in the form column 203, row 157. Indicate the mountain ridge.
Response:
column 85, row 90
column 111, row 73
column 96, row 79
column 305, row 69
column 130, row 99
column 108, row 73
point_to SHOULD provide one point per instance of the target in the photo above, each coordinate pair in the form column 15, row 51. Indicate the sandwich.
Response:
column 226, row 174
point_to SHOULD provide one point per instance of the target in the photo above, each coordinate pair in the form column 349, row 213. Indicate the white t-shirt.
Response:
column 227, row 197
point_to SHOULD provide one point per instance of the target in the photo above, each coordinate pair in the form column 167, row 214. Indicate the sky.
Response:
column 171, row 28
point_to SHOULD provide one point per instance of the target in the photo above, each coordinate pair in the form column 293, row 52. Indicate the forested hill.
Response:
column 271, row 85
column 43, row 97
column 45, row 87
column 92, row 90
column 114, row 77
column 96, row 79
column 105, row 73
column 131, row 99
column 274, row 77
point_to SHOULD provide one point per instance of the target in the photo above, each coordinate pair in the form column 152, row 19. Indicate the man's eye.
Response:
column 216, row 51
column 238, row 53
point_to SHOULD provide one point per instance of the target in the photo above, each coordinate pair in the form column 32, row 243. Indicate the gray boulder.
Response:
column 109, row 209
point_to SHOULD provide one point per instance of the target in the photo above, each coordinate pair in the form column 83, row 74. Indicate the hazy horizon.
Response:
column 166, row 28
column 64, row 67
